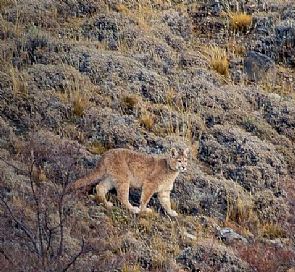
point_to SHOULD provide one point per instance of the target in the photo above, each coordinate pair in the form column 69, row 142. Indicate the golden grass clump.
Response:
column 272, row 230
column 218, row 59
column 80, row 103
column 131, row 268
column 240, row 21
column 147, row 120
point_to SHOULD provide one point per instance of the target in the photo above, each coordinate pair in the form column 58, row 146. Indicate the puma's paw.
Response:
column 135, row 209
column 146, row 210
column 173, row 213
column 109, row 204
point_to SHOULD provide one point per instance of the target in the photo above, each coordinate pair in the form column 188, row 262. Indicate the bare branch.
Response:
column 75, row 257
column 26, row 230
column 23, row 172
column 38, row 215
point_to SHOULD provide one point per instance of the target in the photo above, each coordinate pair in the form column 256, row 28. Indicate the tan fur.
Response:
column 124, row 168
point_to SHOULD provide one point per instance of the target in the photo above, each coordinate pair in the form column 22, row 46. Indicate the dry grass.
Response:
column 218, row 59
column 147, row 120
column 239, row 21
column 6, row 3
column 183, row 121
column 142, row 14
column 79, row 101
column 283, row 84
column 272, row 230
column 164, row 250
column 121, row 8
column 237, row 49
column 241, row 215
column 19, row 83
column 130, row 102
column 73, row 132
column 80, row 104
column 131, row 268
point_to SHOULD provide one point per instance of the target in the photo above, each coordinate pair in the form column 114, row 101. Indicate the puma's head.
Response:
column 178, row 160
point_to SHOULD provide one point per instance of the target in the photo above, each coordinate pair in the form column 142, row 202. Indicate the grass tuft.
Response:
column 129, row 102
column 240, row 21
column 147, row 120
column 272, row 231
column 218, row 59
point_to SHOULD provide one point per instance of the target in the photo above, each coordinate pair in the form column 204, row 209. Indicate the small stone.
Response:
column 228, row 235
column 259, row 67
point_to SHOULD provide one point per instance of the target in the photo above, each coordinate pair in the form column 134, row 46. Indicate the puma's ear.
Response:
column 185, row 152
column 174, row 152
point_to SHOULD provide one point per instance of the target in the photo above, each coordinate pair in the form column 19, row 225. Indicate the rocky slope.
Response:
column 80, row 77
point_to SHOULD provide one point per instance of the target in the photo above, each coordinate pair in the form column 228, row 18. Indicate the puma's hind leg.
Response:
column 102, row 189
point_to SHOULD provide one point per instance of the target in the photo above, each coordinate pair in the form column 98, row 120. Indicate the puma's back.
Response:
column 123, row 168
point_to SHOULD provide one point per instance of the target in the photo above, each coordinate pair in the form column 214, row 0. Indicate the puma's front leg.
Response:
column 146, row 194
column 164, row 198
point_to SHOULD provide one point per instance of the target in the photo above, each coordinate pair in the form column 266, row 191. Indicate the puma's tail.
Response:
column 88, row 180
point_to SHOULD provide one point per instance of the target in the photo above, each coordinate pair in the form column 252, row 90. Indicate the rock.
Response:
column 259, row 67
column 205, row 195
column 208, row 255
column 242, row 157
column 190, row 236
column 228, row 235
column 263, row 25
column 6, row 133
column 179, row 24
column 288, row 13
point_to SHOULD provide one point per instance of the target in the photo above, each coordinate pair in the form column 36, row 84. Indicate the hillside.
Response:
column 79, row 77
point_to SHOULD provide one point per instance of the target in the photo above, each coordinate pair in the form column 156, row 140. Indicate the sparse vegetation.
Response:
column 80, row 77
column 265, row 258
column 241, row 216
